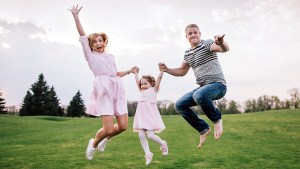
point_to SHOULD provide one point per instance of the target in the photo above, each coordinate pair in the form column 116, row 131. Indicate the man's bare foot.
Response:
column 218, row 129
column 203, row 138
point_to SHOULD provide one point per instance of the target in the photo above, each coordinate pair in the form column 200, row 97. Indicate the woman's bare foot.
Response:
column 218, row 129
column 203, row 138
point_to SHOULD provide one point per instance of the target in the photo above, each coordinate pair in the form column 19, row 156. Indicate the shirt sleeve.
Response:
column 208, row 43
column 85, row 46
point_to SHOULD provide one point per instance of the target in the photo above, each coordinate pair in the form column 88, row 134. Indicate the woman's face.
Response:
column 98, row 44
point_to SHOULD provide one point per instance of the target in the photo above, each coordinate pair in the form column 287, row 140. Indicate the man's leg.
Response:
column 204, row 97
column 182, row 106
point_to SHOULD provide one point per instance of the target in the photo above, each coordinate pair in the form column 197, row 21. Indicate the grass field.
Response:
column 256, row 140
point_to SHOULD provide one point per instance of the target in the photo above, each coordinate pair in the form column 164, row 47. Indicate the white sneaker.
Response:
column 164, row 148
column 90, row 150
column 102, row 144
column 148, row 158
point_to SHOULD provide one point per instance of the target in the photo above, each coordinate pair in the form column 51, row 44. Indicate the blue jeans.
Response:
column 204, row 97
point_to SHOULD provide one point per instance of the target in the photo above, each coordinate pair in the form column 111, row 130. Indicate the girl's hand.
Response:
column 75, row 9
column 219, row 39
column 162, row 67
column 135, row 70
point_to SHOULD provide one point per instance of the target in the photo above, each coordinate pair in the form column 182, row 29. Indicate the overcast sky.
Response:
column 40, row 37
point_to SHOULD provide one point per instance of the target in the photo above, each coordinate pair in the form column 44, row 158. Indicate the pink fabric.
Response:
column 108, row 96
column 147, row 115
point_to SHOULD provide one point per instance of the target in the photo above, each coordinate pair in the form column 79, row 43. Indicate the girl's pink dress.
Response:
column 147, row 115
column 108, row 96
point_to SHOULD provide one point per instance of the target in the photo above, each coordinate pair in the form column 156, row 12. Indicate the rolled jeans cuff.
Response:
column 215, row 122
column 204, row 131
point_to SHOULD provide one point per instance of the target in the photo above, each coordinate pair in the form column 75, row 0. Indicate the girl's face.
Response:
column 193, row 35
column 98, row 44
column 145, row 84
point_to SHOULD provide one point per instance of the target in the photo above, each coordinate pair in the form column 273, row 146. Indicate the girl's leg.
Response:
column 152, row 136
column 145, row 146
column 144, row 141
column 163, row 144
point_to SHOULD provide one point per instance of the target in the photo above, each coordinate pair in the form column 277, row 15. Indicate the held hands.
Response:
column 219, row 39
column 75, row 9
column 162, row 67
column 134, row 70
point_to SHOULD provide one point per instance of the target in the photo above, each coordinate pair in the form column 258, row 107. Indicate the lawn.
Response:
column 256, row 140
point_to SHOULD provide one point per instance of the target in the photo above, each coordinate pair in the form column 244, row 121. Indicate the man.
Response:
column 202, row 58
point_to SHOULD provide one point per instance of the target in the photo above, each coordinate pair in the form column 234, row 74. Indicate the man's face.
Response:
column 193, row 35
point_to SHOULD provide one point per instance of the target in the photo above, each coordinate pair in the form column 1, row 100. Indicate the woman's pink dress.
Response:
column 108, row 96
column 147, row 115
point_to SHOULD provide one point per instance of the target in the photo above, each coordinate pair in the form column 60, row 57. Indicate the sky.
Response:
column 40, row 37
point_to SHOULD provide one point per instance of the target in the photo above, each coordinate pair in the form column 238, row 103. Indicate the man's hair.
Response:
column 191, row 26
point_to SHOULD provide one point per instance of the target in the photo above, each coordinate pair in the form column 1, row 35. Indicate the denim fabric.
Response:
column 204, row 97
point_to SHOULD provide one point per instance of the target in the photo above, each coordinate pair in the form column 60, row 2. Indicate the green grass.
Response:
column 256, row 140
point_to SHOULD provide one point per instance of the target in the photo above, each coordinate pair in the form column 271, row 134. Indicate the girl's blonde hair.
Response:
column 93, row 36
column 149, row 79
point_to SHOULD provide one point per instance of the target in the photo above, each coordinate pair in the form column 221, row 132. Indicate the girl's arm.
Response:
column 75, row 11
column 137, row 80
column 158, row 80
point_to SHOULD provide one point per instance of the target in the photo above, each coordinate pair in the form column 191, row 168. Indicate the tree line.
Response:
column 41, row 99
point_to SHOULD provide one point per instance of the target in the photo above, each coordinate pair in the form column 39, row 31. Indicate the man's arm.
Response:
column 220, row 45
column 181, row 71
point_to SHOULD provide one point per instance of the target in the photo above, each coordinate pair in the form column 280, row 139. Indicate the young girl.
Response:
column 147, row 120
column 108, row 97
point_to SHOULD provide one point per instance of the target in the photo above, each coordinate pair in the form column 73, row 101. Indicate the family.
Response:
column 108, row 99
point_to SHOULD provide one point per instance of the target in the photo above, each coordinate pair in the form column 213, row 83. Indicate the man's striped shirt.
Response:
column 205, row 63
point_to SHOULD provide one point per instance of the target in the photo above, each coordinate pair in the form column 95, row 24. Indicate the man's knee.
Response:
column 199, row 98
column 179, row 106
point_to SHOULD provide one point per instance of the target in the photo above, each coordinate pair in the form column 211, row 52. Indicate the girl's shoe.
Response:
column 148, row 158
column 164, row 148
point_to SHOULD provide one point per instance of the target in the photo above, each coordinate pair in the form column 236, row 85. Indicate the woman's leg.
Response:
column 110, row 129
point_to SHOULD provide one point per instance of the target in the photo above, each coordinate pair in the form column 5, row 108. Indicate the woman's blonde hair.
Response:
column 93, row 36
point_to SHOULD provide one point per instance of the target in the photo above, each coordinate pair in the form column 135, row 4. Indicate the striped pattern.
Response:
column 205, row 63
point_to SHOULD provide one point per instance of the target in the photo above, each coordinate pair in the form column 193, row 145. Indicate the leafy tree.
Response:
column 2, row 104
column 222, row 105
column 76, row 107
column 131, row 107
column 295, row 95
column 171, row 109
column 233, row 108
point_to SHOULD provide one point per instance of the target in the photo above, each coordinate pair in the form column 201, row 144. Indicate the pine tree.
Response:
column 2, row 104
column 39, row 97
column 40, row 100
column 52, row 107
column 26, row 108
column 76, row 107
